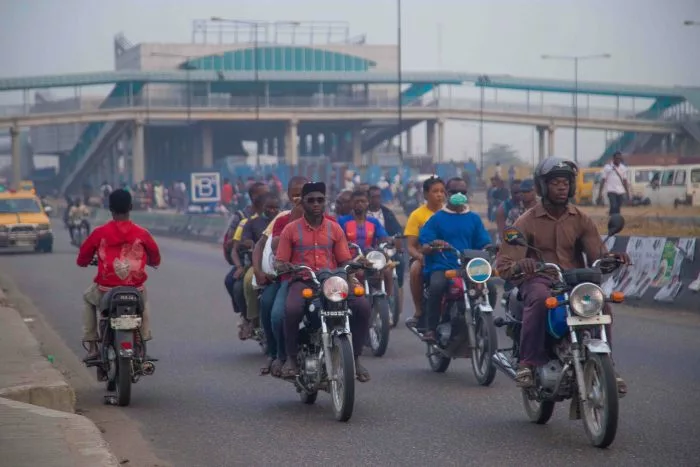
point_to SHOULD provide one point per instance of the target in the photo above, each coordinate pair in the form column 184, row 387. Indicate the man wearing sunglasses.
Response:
column 319, row 243
column 455, row 225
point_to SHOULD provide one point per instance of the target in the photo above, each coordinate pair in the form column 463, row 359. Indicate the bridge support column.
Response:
column 290, row 146
column 540, row 143
column 138, row 160
column 551, row 141
column 441, row 140
column 356, row 146
column 430, row 139
column 16, row 157
column 409, row 142
column 207, row 147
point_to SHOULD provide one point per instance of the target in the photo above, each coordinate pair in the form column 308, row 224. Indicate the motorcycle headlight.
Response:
column 586, row 300
column 390, row 252
column 335, row 289
column 377, row 259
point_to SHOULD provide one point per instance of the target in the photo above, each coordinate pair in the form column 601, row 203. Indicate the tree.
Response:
column 502, row 153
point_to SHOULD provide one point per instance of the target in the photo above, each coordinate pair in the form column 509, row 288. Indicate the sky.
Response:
column 647, row 41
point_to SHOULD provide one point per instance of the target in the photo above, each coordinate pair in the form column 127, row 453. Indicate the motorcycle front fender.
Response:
column 597, row 346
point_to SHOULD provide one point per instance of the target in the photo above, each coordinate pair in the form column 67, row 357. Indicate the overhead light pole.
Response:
column 400, row 79
column 575, row 59
column 690, row 22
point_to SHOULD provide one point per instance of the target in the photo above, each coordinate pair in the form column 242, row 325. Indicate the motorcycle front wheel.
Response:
column 395, row 304
column 600, row 411
column 379, row 327
column 343, row 383
column 485, row 346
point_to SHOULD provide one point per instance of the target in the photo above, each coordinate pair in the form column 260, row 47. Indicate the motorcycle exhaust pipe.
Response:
column 502, row 363
column 148, row 368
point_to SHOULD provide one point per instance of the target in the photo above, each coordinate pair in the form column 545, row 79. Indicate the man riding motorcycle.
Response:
column 318, row 243
column 367, row 232
column 78, row 215
column 274, row 293
column 455, row 225
column 252, row 232
column 522, row 198
column 434, row 194
column 562, row 233
column 234, row 279
column 123, row 250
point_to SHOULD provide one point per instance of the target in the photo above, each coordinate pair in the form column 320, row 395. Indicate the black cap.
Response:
column 313, row 187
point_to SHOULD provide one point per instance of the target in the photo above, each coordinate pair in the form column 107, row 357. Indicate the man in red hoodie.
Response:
column 123, row 250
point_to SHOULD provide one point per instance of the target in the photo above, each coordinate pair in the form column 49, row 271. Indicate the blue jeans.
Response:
column 277, row 319
column 267, row 300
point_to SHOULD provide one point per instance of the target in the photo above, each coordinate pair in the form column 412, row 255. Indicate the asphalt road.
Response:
column 207, row 406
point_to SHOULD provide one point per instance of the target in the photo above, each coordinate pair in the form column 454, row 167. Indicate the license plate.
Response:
column 596, row 320
column 126, row 322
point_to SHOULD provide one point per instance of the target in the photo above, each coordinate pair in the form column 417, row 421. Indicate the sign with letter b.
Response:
column 206, row 187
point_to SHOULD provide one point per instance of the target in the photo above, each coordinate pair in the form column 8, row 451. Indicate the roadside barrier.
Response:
column 665, row 271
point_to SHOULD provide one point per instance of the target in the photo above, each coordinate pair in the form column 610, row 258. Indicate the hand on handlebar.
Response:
column 528, row 266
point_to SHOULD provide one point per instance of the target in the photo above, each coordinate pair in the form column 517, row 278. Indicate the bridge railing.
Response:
column 339, row 103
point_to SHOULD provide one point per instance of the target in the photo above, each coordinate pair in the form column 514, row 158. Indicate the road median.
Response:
column 36, row 403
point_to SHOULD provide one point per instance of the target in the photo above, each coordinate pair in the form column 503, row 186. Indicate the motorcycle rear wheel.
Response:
column 343, row 384
column 601, row 411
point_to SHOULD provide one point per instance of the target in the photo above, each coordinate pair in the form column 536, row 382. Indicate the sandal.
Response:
column 264, row 371
column 523, row 378
column 361, row 373
column 412, row 322
column 276, row 368
column 289, row 370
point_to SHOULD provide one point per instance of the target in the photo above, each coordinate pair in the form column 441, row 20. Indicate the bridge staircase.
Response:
column 92, row 137
column 383, row 130
column 627, row 140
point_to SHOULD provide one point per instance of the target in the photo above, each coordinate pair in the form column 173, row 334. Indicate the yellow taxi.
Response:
column 23, row 222
column 27, row 185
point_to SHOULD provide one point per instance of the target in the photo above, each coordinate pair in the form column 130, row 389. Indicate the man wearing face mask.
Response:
column 455, row 225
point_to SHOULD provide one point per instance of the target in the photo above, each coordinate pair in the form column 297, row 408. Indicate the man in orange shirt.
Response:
column 227, row 194
column 318, row 243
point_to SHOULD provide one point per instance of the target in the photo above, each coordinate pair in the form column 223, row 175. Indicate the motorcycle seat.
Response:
column 106, row 300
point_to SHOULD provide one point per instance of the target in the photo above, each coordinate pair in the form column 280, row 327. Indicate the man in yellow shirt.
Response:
column 434, row 194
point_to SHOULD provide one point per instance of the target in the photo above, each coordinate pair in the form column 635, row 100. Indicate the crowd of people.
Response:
column 268, row 236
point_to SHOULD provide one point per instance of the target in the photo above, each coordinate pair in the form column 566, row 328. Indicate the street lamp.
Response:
column 188, row 68
column 575, row 59
column 690, row 22
column 400, row 79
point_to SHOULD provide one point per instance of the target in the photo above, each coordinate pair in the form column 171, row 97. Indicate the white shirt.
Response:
column 379, row 215
column 613, row 183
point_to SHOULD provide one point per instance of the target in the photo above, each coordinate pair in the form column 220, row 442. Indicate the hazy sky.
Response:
column 646, row 38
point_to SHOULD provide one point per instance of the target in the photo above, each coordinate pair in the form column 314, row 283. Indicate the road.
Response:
column 206, row 405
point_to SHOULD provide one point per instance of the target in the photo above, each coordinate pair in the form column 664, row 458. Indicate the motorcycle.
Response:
column 122, row 351
column 466, row 327
column 580, row 366
column 395, row 303
column 326, row 360
column 80, row 231
column 375, row 288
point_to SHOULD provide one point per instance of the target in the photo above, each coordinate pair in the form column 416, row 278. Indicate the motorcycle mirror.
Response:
column 615, row 224
column 513, row 236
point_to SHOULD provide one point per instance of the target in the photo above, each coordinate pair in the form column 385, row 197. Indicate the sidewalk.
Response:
column 33, row 436
column 37, row 423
